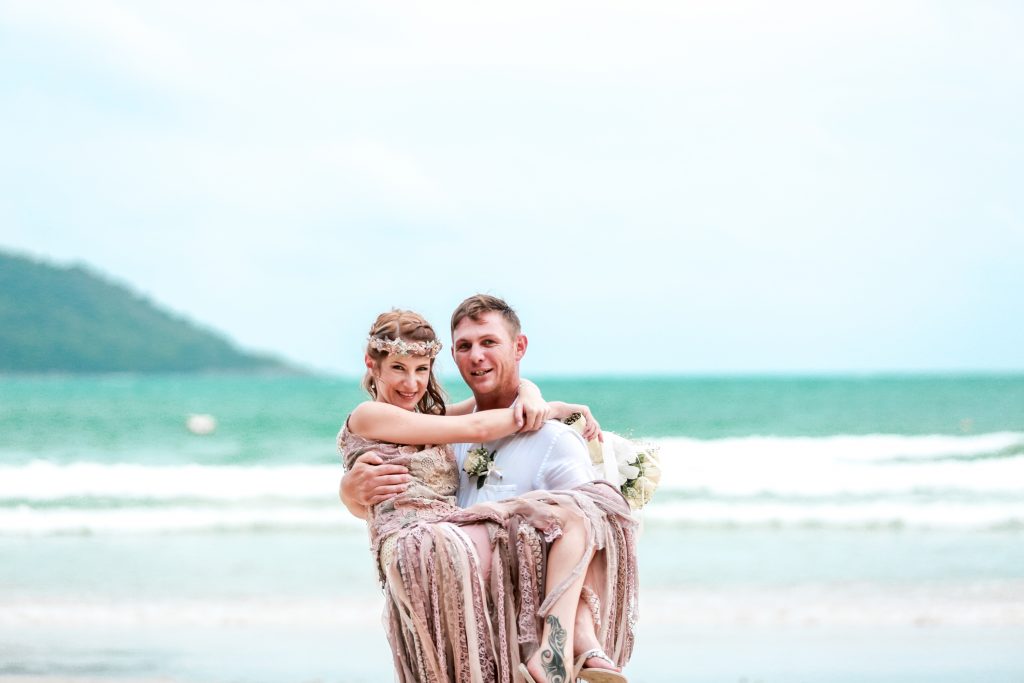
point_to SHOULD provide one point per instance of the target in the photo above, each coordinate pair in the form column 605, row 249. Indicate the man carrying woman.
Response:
column 552, row 569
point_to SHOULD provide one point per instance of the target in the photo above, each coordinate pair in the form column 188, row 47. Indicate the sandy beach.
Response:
column 840, row 631
column 665, row 653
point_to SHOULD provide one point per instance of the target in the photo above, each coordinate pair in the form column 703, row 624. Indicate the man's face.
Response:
column 487, row 354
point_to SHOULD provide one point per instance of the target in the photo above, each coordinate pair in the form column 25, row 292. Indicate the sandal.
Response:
column 593, row 675
column 527, row 676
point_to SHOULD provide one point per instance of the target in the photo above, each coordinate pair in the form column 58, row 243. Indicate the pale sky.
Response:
column 658, row 187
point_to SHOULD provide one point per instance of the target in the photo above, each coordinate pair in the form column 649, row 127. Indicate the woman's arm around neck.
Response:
column 385, row 422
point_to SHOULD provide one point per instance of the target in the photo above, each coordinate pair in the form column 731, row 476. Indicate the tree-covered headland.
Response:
column 72, row 319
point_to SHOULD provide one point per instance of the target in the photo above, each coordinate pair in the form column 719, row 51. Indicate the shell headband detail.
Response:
column 401, row 347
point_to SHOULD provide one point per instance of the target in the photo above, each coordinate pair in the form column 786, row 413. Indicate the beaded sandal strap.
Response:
column 596, row 653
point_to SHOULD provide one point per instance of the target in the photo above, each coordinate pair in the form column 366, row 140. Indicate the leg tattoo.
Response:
column 552, row 659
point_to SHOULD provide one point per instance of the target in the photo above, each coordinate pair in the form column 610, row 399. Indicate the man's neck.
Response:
column 498, row 399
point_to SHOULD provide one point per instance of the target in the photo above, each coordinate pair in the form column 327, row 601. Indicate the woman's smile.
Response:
column 402, row 380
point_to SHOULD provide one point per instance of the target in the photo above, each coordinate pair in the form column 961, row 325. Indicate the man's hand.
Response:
column 370, row 481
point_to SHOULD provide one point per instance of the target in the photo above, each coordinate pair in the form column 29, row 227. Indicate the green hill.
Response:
column 71, row 319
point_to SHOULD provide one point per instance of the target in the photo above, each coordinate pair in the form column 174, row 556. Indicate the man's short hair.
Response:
column 478, row 304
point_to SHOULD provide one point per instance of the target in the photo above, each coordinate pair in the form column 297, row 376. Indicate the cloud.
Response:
column 800, row 169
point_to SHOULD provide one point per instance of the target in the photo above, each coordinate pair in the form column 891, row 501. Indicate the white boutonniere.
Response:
column 480, row 463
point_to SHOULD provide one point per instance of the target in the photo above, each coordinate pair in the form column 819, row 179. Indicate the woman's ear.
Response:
column 369, row 362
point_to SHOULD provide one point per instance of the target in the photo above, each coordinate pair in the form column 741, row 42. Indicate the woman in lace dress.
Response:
column 465, row 588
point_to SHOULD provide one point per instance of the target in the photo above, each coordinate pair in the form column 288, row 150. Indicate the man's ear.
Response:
column 521, row 342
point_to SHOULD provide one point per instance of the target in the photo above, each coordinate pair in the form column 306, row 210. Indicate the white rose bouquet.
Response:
column 633, row 466
column 639, row 474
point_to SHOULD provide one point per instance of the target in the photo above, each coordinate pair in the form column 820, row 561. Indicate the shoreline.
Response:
column 865, row 654
column 820, row 604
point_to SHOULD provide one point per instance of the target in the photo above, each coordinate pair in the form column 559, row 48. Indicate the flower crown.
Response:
column 400, row 347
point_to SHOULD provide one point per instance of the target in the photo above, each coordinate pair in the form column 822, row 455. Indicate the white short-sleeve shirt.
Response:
column 553, row 457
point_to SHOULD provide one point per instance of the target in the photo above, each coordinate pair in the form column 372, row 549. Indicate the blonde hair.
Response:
column 412, row 327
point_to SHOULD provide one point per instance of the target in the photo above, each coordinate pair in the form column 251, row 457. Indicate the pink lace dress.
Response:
column 442, row 622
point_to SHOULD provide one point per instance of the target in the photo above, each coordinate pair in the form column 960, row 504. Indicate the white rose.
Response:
column 623, row 452
column 652, row 469
column 627, row 472
column 476, row 462
column 647, row 488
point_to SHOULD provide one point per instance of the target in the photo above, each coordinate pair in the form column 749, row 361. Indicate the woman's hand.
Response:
column 591, row 429
column 531, row 410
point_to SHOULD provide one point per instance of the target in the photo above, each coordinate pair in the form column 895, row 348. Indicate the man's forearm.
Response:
column 370, row 481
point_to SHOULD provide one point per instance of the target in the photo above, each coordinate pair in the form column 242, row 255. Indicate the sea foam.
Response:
column 837, row 481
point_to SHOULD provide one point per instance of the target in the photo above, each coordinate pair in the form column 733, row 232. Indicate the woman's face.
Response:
column 401, row 380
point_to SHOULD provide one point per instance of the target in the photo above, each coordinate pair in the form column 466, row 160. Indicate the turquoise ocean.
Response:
column 806, row 529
